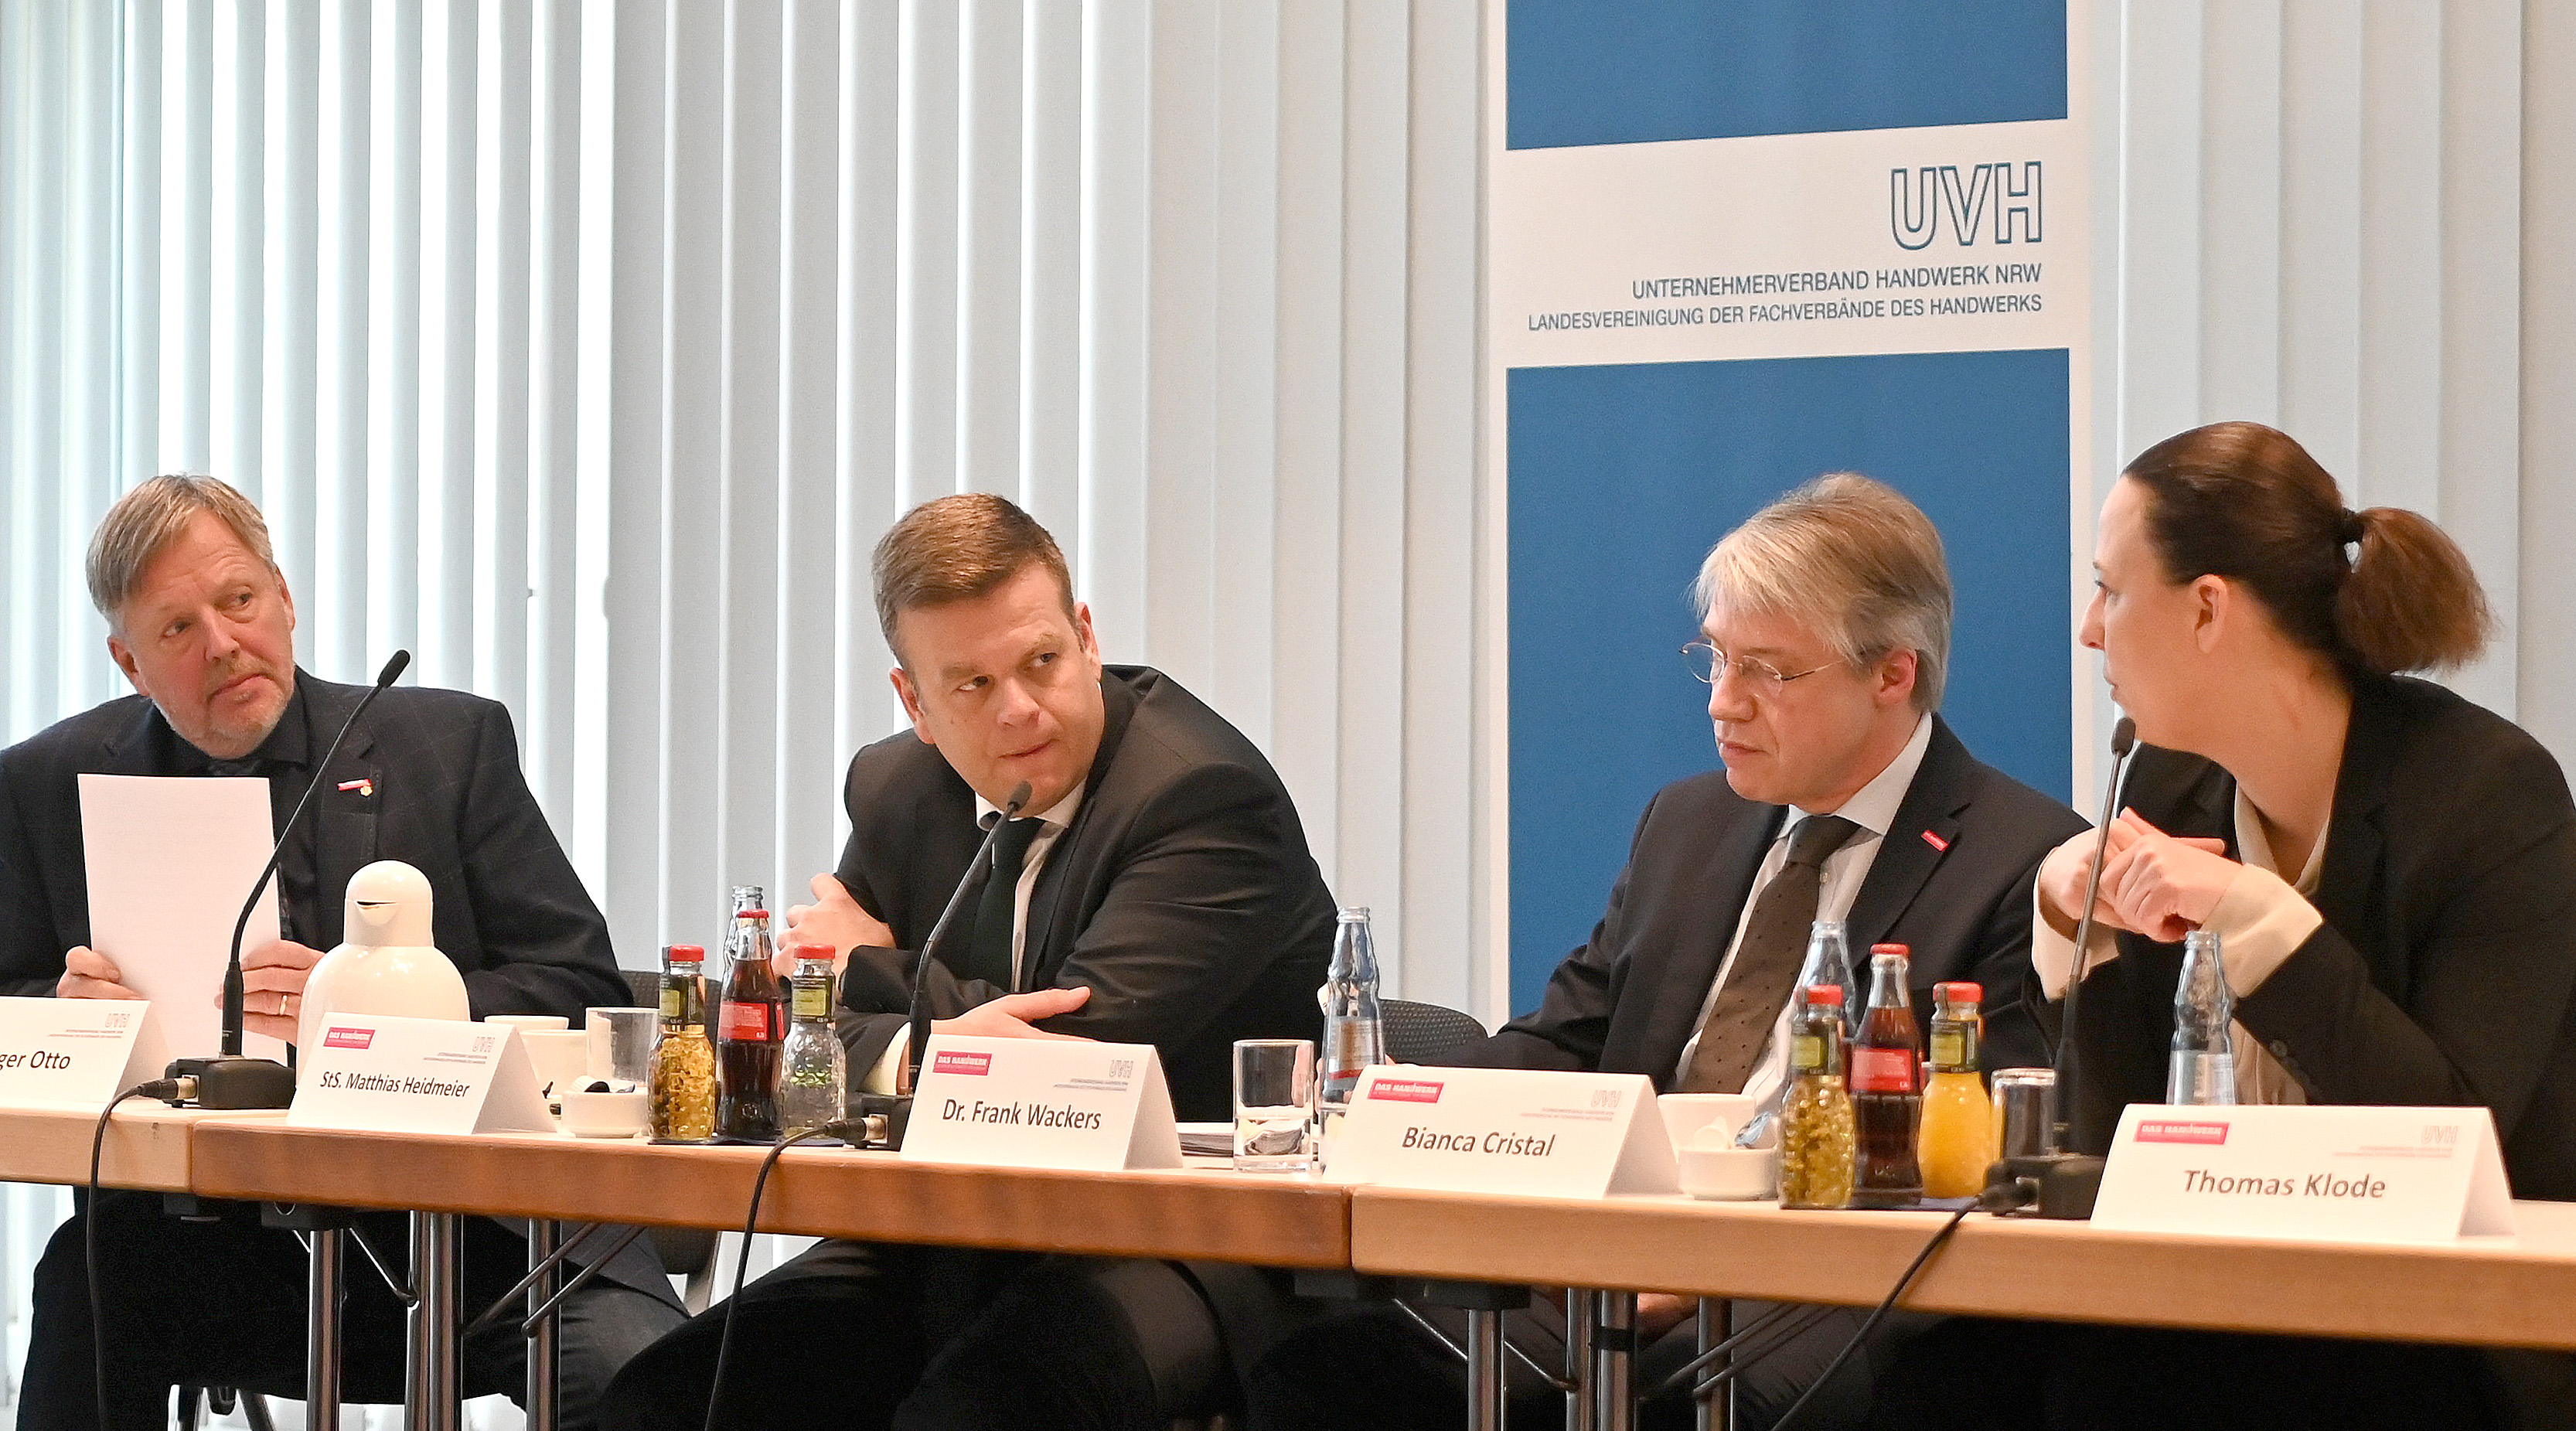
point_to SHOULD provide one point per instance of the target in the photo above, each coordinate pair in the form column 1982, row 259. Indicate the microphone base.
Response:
column 882, row 1117
column 232, row 1080
column 2059, row 1186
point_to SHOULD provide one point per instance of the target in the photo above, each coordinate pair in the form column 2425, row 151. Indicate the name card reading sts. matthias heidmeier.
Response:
column 1504, row 1130
column 379, row 1073
column 1040, row 1103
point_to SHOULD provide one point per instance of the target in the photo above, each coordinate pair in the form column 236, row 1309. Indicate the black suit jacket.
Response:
column 1183, row 895
column 445, row 795
column 1630, row 999
column 2445, row 971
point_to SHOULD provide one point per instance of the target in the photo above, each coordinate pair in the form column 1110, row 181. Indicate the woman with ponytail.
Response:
column 2392, row 870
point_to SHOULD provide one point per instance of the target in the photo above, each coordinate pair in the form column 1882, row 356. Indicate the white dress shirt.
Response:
column 1874, row 810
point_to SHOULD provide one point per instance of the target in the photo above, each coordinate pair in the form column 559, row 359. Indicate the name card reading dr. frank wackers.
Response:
column 1038, row 1103
column 2311, row 1174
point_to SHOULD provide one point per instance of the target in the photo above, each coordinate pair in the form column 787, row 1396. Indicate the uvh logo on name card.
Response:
column 380, row 1073
column 1040, row 1103
column 1504, row 1130
column 76, row 1053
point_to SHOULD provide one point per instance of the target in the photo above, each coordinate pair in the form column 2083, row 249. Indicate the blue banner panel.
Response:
column 1622, row 478
column 1638, row 71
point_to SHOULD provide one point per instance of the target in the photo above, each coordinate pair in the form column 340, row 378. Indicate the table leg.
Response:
column 1579, row 1312
column 1715, row 1323
column 322, row 1332
column 1614, row 1348
column 1484, row 1369
column 544, row 1235
column 430, row 1393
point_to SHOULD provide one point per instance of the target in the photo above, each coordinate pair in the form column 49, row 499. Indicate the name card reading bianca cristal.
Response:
column 384, row 1074
column 1505, row 1130
column 76, row 1053
column 1040, row 1103
column 2315, row 1174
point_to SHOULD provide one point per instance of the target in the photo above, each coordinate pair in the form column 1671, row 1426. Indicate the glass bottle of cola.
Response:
column 750, row 1027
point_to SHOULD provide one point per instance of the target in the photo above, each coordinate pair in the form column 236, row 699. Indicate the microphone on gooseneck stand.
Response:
column 2060, row 1183
column 229, row 1080
column 888, row 1112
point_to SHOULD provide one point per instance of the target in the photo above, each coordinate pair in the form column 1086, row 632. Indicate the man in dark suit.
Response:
column 1826, row 623
column 202, row 623
column 1157, row 890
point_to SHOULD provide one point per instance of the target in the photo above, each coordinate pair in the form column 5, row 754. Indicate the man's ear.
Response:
column 125, row 662
column 911, row 704
column 1082, row 625
column 1896, row 675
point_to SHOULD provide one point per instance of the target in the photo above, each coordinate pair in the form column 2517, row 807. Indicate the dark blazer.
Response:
column 2445, row 971
column 1630, row 999
column 1183, row 895
column 447, row 797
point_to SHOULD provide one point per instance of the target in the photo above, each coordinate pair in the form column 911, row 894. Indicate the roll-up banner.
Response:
column 1732, row 246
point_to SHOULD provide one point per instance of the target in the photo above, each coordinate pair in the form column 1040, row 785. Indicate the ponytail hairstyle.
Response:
column 2246, row 502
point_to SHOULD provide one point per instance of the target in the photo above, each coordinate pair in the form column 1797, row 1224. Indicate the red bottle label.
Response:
column 1882, row 1070
column 750, row 1020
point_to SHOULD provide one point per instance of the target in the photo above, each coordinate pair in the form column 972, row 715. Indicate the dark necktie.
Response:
column 1766, row 963
column 988, row 949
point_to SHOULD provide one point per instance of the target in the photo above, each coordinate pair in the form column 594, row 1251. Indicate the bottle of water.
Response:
column 1354, row 1036
column 1828, row 965
column 2203, row 1068
column 814, row 1088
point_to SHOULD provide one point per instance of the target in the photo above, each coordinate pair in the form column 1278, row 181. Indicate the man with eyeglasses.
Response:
column 1826, row 632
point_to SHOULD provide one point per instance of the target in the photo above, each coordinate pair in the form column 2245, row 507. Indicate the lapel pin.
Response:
column 368, row 787
column 1935, row 841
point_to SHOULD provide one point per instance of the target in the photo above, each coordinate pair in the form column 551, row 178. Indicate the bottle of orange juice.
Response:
column 1957, row 1139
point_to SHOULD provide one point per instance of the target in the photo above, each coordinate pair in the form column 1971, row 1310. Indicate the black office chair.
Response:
column 1426, row 1033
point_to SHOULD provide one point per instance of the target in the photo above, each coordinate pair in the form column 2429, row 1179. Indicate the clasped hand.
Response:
column 2159, row 885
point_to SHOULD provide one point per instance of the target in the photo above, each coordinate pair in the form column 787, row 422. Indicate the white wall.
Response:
column 2357, row 222
column 586, row 348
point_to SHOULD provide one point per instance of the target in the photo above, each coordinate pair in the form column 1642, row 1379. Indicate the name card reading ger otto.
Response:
column 76, row 1053
column 1583, row 1135
column 2315, row 1173
column 1041, row 1103
column 383, row 1074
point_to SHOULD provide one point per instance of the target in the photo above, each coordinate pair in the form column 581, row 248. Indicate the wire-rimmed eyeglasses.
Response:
column 1705, row 661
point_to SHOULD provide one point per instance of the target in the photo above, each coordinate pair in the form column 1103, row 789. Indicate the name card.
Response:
column 2315, row 1174
column 76, row 1053
column 1041, row 1103
column 1505, row 1130
column 384, row 1074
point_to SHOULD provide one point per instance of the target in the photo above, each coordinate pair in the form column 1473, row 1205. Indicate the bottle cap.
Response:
column 1890, row 949
column 684, row 954
column 1961, row 992
column 1824, row 993
column 826, row 951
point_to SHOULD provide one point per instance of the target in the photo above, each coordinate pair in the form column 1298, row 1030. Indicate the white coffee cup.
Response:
column 560, row 1056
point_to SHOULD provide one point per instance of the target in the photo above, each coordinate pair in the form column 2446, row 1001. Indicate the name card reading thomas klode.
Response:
column 76, row 1053
column 1504, row 1130
column 393, row 1075
column 2312, row 1173
column 1040, row 1103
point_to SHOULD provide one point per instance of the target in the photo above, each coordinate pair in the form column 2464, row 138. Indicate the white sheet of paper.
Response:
column 169, row 860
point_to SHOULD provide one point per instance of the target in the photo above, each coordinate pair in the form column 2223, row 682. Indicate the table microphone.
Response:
column 2060, row 1183
column 888, row 1112
column 229, row 1080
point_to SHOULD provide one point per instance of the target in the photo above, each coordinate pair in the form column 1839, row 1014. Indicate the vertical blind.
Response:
column 586, row 348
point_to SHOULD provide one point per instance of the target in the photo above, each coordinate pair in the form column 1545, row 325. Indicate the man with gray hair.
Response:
column 1825, row 636
column 201, row 622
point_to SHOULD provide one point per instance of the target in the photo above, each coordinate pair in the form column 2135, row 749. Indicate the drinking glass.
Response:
column 621, row 1043
column 1274, row 1105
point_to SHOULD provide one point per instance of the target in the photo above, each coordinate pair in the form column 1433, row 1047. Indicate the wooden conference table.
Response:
column 2504, row 1291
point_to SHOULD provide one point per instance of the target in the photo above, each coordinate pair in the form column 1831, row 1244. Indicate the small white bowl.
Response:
column 606, row 1115
column 1731, row 1174
column 1685, row 1114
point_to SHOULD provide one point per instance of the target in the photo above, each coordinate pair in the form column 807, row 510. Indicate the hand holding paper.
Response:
column 88, row 974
